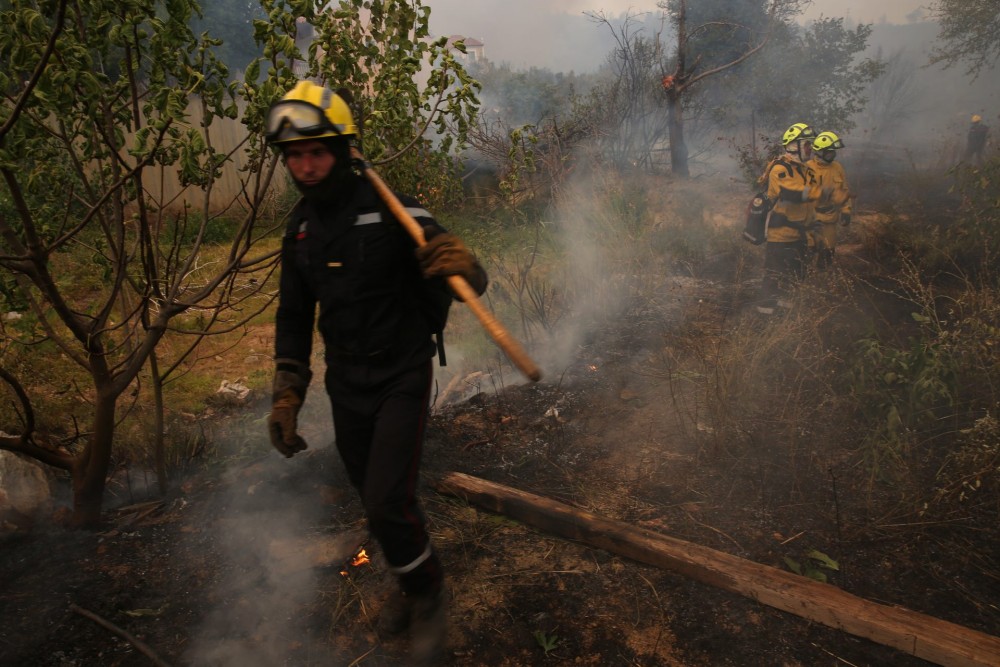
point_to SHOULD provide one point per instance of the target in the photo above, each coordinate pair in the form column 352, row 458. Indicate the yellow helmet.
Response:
column 308, row 111
column 976, row 118
column 796, row 132
column 827, row 140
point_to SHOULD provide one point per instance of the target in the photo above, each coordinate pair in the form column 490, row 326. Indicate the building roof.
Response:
column 469, row 41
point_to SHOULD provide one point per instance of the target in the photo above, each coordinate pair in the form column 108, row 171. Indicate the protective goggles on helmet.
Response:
column 294, row 119
column 797, row 132
column 827, row 141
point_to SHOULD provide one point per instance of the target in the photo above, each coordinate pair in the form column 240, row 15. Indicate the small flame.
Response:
column 592, row 367
column 361, row 558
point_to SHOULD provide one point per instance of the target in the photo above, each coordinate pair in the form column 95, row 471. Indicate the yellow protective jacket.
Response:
column 792, row 187
column 830, row 175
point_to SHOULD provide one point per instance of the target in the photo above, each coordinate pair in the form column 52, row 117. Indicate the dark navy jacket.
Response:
column 362, row 273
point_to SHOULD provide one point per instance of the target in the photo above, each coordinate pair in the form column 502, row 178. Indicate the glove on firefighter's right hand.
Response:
column 444, row 254
column 282, row 424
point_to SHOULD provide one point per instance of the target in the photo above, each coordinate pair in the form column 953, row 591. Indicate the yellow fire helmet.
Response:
column 827, row 140
column 976, row 118
column 308, row 111
column 796, row 132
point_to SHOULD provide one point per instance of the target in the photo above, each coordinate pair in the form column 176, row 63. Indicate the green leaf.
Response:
column 824, row 560
column 815, row 575
column 546, row 642
column 793, row 565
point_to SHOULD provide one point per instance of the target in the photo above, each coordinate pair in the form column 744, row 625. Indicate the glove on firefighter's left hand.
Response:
column 845, row 219
column 444, row 254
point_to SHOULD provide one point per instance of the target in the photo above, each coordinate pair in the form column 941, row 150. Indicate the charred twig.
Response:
column 712, row 528
column 108, row 625
column 360, row 658
column 141, row 514
column 475, row 443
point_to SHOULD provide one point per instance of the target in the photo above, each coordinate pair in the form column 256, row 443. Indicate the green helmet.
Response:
column 308, row 111
column 827, row 140
column 797, row 132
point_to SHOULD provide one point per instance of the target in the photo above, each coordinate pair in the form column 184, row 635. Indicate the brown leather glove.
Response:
column 282, row 424
column 444, row 254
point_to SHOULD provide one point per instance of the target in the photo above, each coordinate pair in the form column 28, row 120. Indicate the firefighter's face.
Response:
column 310, row 162
column 801, row 148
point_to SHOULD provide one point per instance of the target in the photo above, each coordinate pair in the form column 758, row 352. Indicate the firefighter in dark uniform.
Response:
column 790, row 185
column 369, row 280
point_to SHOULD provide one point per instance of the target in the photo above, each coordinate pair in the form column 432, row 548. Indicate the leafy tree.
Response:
column 716, row 37
column 231, row 22
column 892, row 96
column 743, row 62
column 709, row 39
column 414, row 100
column 529, row 129
column 530, row 96
column 811, row 75
column 969, row 33
column 627, row 104
column 98, row 99
column 77, row 82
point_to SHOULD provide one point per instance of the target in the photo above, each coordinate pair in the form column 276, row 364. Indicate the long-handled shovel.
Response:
column 458, row 284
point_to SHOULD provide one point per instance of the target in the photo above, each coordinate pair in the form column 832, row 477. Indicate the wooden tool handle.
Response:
column 511, row 347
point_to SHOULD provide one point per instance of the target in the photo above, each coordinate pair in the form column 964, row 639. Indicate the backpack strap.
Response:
column 395, row 227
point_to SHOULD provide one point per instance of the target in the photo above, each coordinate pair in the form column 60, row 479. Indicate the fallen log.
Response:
column 925, row 637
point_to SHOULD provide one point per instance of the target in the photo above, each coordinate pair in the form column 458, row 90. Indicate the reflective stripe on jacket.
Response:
column 362, row 275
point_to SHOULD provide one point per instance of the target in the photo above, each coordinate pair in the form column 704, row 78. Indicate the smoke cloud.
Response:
column 557, row 34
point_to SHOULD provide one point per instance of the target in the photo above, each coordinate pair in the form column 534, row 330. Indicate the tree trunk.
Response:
column 159, row 453
column 90, row 471
column 678, row 148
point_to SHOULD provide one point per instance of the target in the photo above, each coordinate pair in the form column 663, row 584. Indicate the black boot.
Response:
column 428, row 627
column 394, row 617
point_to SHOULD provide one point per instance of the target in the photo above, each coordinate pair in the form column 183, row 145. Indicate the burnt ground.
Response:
column 219, row 573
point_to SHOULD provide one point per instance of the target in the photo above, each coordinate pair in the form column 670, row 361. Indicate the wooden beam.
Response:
column 923, row 636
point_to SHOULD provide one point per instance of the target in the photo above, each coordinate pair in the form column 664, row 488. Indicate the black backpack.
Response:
column 755, row 226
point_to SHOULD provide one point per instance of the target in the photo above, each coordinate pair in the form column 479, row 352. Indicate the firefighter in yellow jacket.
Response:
column 833, row 206
column 791, row 186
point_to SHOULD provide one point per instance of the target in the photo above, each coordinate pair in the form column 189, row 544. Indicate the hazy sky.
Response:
column 555, row 34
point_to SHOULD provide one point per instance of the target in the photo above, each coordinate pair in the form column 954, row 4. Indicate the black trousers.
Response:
column 380, row 436
column 784, row 265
